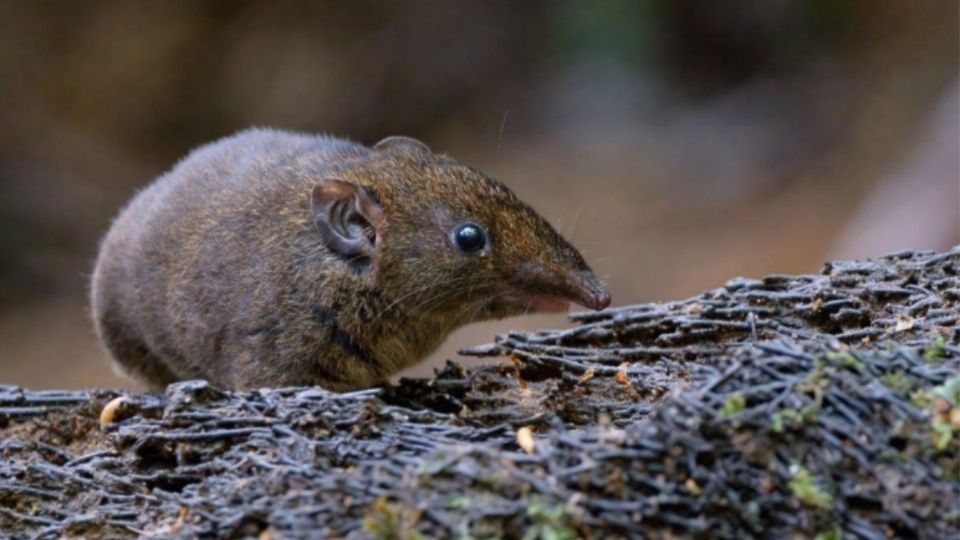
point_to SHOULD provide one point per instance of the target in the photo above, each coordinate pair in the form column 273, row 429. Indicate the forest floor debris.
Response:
column 816, row 405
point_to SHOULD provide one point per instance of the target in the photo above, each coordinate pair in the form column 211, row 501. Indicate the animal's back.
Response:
column 193, row 249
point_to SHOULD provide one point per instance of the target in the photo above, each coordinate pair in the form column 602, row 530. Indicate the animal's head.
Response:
column 442, row 237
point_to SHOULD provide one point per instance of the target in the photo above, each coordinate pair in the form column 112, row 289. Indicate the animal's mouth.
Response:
column 534, row 303
column 556, row 295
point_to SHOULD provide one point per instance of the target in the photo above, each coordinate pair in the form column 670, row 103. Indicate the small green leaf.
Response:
column 733, row 404
column 898, row 381
column 835, row 533
column 943, row 434
column 934, row 351
column 844, row 358
column 805, row 488
column 949, row 390
column 776, row 422
column 460, row 503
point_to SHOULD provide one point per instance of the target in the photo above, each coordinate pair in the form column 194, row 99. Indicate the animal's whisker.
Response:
column 573, row 226
column 416, row 291
column 444, row 296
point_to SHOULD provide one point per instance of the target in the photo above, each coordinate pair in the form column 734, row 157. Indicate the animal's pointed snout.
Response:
column 588, row 291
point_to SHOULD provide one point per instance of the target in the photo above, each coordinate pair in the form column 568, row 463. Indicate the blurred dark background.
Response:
column 678, row 142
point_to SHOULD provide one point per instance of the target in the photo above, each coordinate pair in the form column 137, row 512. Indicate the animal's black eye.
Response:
column 469, row 238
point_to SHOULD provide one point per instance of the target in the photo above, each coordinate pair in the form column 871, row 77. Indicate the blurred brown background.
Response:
column 678, row 142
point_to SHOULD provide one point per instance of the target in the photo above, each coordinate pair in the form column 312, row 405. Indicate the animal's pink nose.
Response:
column 589, row 292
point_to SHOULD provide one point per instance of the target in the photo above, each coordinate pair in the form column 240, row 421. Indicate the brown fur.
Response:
column 217, row 271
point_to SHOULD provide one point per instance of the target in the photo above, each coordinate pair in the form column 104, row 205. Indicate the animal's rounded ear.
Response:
column 348, row 217
column 401, row 144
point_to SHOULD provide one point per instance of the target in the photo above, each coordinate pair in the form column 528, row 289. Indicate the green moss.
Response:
column 733, row 404
column 835, row 533
column 780, row 417
column 808, row 414
column 550, row 522
column 934, row 352
column 776, row 422
column 897, row 381
column 921, row 398
column 889, row 455
column 818, row 374
column 943, row 433
column 949, row 390
column 460, row 503
column 843, row 359
column 391, row 521
column 804, row 487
